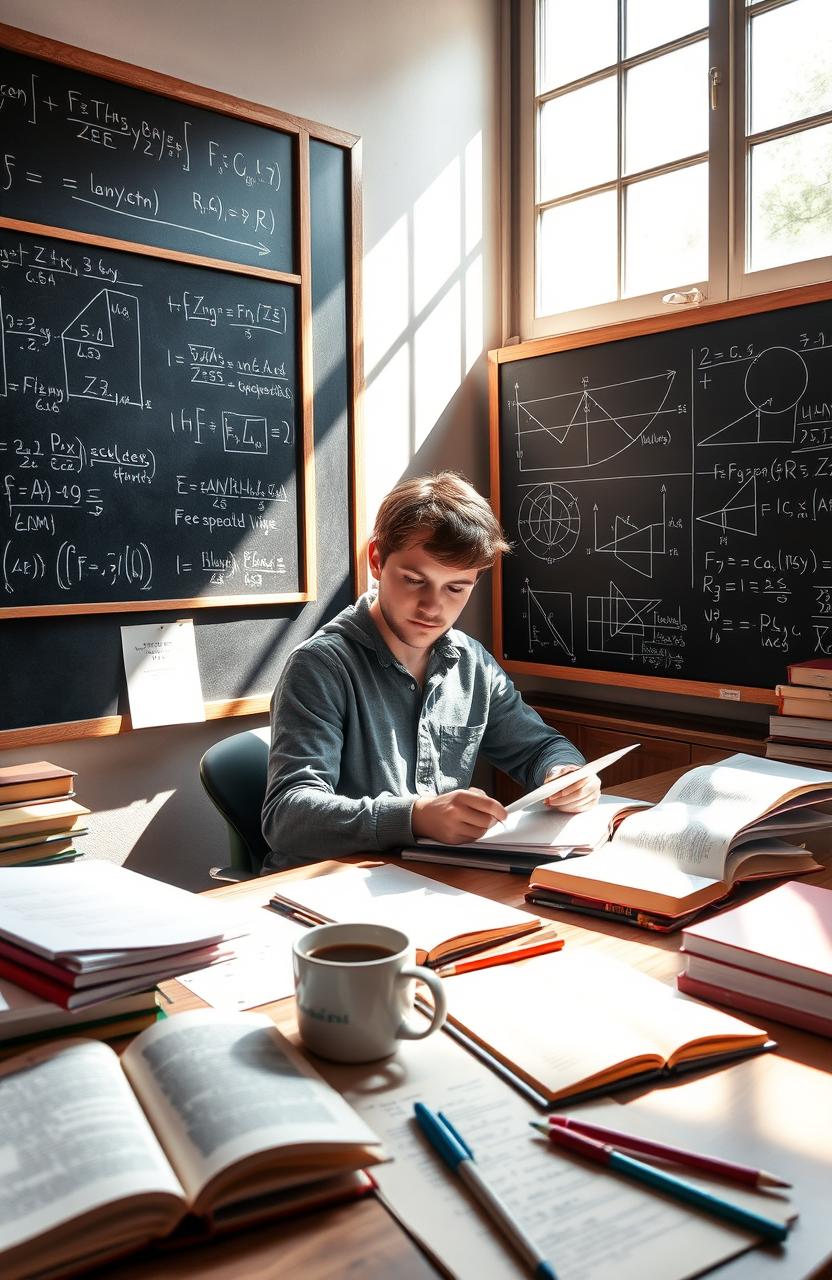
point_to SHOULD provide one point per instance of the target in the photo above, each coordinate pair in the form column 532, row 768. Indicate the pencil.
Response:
column 603, row 1153
column 729, row 1169
column 500, row 957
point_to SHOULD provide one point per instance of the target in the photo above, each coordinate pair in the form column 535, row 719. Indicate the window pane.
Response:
column 578, row 254
column 579, row 139
column 575, row 40
column 791, row 63
column 654, row 22
column 667, row 108
column 791, row 199
column 667, row 231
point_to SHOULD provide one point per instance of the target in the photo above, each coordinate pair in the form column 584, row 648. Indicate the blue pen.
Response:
column 456, row 1153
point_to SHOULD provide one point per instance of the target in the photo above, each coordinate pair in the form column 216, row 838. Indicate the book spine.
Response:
column 608, row 911
column 38, row 983
column 26, row 962
column 754, row 1005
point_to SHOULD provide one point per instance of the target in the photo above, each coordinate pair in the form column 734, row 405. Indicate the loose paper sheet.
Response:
column 590, row 1223
column 163, row 685
column 259, row 972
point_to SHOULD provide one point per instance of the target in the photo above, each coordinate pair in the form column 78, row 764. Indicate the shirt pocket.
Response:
column 458, row 749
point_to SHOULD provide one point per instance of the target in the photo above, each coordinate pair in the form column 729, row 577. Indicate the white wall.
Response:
column 418, row 80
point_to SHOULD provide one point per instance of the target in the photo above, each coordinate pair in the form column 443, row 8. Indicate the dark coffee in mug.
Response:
column 351, row 952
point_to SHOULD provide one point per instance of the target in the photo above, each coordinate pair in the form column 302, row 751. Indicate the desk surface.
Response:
column 361, row 1239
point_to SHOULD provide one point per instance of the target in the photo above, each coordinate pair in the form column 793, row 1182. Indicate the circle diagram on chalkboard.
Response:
column 774, row 384
column 549, row 522
column 587, row 428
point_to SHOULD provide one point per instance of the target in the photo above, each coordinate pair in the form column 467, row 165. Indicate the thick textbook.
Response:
column 816, row 672
column 207, row 1122
column 574, row 1024
column 773, row 954
column 36, row 780
column 40, row 818
column 443, row 922
column 719, row 825
column 27, row 1019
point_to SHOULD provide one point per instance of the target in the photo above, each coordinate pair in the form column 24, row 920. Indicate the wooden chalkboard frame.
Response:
column 300, row 130
column 506, row 356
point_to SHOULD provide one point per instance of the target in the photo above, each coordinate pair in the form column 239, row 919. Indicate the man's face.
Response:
column 419, row 597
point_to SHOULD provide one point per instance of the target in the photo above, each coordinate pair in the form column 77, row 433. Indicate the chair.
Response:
column 233, row 772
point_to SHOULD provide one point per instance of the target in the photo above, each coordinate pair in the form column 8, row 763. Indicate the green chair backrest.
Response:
column 233, row 772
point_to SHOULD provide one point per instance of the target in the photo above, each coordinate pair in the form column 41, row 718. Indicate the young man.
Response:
column 378, row 719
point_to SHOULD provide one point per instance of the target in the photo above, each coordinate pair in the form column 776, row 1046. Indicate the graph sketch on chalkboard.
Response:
column 671, row 480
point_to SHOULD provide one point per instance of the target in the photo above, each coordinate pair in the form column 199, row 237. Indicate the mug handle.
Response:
column 440, row 1002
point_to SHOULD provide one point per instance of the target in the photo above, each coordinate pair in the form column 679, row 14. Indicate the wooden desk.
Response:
column 362, row 1240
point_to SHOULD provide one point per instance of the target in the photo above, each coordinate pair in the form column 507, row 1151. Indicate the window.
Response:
column 651, row 162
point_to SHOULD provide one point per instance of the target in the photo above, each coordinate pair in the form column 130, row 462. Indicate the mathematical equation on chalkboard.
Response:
column 670, row 500
column 148, row 444
column 108, row 159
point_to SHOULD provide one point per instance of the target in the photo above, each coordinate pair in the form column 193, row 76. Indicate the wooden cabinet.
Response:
column 667, row 741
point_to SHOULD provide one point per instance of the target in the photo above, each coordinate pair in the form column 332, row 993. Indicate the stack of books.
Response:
column 81, row 935
column 771, row 956
column 39, row 820
column 27, row 1020
column 801, row 729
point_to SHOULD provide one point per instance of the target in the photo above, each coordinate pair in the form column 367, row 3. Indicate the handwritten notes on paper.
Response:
column 163, row 683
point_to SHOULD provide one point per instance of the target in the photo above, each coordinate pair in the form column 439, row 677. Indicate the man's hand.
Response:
column 582, row 795
column 457, row 817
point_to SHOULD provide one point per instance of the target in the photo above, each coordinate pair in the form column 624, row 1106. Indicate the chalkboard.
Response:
column 669, row 496
column 149, row 447
column 106, row 158
column 112, row 498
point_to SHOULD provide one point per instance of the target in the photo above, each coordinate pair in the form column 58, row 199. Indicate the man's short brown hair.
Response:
column 446, row 515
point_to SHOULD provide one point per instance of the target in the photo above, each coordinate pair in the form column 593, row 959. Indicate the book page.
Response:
column 569, row 1017
column 589, row 1223
column 98, row 906
column 541, row 827
column 430, row 913
column 72, row 1138
column 220, row 1087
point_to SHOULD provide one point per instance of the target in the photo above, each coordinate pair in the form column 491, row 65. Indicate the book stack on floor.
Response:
column 801, row 728
column 770, row 957
column 82, row 935
column 39, row 820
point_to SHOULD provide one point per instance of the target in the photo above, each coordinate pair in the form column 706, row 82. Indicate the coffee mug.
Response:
column 354, row 986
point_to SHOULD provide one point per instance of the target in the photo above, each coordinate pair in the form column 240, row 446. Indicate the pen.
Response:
column 603, row 1153
column 459, row 1157
column 501, row 957
column 741, row 1173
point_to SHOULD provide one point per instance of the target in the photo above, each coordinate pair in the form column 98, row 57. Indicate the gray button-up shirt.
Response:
column 355, row 739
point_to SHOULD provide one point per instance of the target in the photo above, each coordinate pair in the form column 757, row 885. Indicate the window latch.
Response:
column 714, row 79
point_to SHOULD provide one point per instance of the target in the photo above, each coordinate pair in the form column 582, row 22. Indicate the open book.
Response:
column 719, row 825
column 443, row 922
column 208, row 1121
column 574, row 1024
column 537, row 834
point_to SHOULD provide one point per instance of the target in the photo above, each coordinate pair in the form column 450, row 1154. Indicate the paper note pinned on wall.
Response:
column 160, row 664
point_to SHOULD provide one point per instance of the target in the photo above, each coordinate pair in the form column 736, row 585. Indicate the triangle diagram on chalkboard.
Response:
column 739, row 515
column 627, row 614
column 92, row 326
column 632, row 546
column 563, row 601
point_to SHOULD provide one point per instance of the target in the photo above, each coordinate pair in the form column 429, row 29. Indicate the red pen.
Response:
column 740, row 1173
column 501, row 957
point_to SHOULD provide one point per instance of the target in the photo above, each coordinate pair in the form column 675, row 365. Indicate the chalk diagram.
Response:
column 102, row 349
column 550, row 621
column 622, row 624
column 775, row 382
column 588, row 427
column 549, row 522
column 635, row 545
column 4, row 390
column 739, row 513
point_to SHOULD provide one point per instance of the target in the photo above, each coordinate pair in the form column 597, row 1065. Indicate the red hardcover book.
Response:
column 814, row 671
column 755, row 1005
